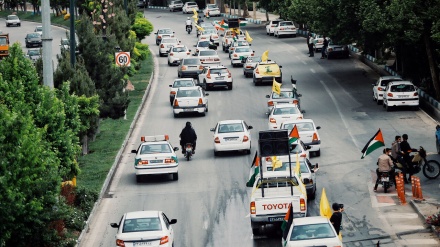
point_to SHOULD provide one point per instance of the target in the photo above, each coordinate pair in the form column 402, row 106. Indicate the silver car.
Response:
column 249, row 65
column 13, row 20
column 189, row 67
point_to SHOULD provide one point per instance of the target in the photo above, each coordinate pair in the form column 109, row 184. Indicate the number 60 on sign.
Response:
column 122, row 59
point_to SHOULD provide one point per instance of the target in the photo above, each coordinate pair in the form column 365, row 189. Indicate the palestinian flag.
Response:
column 285, row 226
column 294, row 135
column 256, row 170
column 374, row 143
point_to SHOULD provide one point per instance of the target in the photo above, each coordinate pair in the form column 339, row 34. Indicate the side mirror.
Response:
column 173, row 221
column 206, row 94
column 170, row 85
column 300, row 95
column 316, row 168
column 308, row 147
column 251, row 45
column 189, row 50
column 303, row 111
column 280, row 66
column 212, row 129
column 268, row 96
column 306, row 181
column 114, row 225
column 318, row 127
column 267, row 113
column 250, row 127
column 176, row 148
column 134, row 151
column 155, row 33
column 292, row 80
column 194, row 46
column 221, row 35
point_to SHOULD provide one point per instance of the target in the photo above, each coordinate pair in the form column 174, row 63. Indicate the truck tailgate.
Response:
column 276, row 205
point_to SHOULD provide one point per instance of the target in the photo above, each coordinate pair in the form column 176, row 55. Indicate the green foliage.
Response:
column 142, row 27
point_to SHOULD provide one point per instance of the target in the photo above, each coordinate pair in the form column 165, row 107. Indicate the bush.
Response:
column 434, row 219
column 142, row 27
column 85, row 199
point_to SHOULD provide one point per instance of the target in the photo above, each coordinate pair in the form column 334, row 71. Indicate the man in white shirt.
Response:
column 188, row 23
column 311, row 41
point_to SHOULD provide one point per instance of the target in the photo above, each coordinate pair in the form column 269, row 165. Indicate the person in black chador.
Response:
column 188, row 135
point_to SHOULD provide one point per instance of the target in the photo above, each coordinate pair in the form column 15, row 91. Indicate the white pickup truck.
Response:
column 271, row 197
column 228, row 37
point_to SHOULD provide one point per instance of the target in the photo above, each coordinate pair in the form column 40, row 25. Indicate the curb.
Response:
column 117, row 158
column 423, row 217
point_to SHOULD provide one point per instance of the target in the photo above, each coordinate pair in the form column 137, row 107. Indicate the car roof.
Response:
column 189, row 88
column 184, row 79
column 230, row 121
column 285, row 105
column 310, row 220
column 141, row 214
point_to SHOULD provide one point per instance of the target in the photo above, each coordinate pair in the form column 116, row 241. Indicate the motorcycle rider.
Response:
column 385, row 164
column 406, row 156
column 188, row 135
column 188, row 23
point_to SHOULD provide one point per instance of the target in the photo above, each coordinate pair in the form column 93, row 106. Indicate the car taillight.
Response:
column 299, row 118
column 253, row 209
column 272, row 120
column 188, row 53
column 245, row 138
column 282, row 28
column 200, row 67
column 302, row 204
column 171, row 54
column 270, row 103
column 200, row 101
column 159, row 37
column 295, row 101
column 120, row 242
column 389, row 94
column 216, row 59
column 170, row 161
column 268, row 159
column 143, row 162
column 232, row 48
column 252, row 54
column 256, row 71
column 183, row 67
column 164, row 240
column 379, row 89
column 208, row 75
column 215, row 37
column 229, row 74
column 315, row 137
column 176, row 103
column 173, row 92
column 217, row 140
column 248, row 67
column 416, row 94
column 329, row 49
column 235, row 55
column 162, row 46
column 303, row 155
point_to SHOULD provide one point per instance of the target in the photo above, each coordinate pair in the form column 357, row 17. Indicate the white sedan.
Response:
column 311, row 231
column 210, row 35
column 308, row 132
column 211, row 10
column 178, row 83
column 177, row 53
column 285, row 28
column 190, row 100
column 208, row 57
column 232, row 135
column 240, row 54
column 145, row 228
column 283, row 112
column 166, row 44
column 380, row 85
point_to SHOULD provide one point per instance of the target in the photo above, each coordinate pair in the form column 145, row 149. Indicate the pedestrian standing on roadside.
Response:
column 311, row 41
column 324, row 47
column 336, row 218
column 307, row 40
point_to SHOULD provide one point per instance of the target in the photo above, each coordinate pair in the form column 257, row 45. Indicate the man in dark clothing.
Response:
column 188, row 135
column 324, row 47
column 336, row 218
column 406, row 155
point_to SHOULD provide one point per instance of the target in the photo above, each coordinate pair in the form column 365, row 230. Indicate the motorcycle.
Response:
column 188, row 151
column 430, row 168
column 189, row 29
column 384, row 179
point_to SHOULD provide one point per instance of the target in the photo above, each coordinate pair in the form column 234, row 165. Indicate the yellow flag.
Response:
column 248, row 37
column 324, row 206
column 298, row 166
column 199, row 27
column 195, row 12
column 276, row 87
column 265, row 56
column 276, row 163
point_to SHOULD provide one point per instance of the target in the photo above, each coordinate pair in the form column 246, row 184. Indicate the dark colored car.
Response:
column 437, row 138
column 334, row 51
column 33, row 39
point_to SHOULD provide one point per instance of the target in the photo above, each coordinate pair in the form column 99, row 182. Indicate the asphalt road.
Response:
column 210, row 200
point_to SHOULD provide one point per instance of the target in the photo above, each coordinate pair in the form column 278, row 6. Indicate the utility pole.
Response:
column 47, row 45
column 72, row 33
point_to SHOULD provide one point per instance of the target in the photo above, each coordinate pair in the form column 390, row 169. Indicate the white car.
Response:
column 400, row 93
column 232, row 135
column 145, row 228
column 175, row 5
column 285, row 28
column 13, row 20
column 288, row 95
column 380, row 85
column 240, row 54
column 178, row 83
column 189, row 67
column 155, row 155
column 190, row 100
column 210, row 35
column 311, row 231
column 166, row 44
column 202, row 45
column 270, row 27
column 189, row 7
column 215, row 76
column 308, row 132
column 211, row 10
column 177, row 53
column 163, row 33
column 283, row 112
column 237, row 43
column 208, row 57
column 39, row 29
column 250, row 64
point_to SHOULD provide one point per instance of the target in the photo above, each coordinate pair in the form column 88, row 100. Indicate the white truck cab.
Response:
column 228, row 37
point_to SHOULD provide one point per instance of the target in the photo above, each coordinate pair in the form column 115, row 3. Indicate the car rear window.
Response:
column 169, row 41
column 142, row 225
column 402, row 88
column 275, row 22
column 282, row 95
column 155, row 148
column 207, row 53
column 384, row 83
column 287, row 23
column 183, row 83
column 285, row 167
column 299, row 126
column 243, row 49
column 218, row 71
column 286, row 110
column 227, row 128
column 165, row 31
column 191, row 61
column 312, row 231
column 192, row 3
column 179, row 49
column 277, row 182
column 188, row 93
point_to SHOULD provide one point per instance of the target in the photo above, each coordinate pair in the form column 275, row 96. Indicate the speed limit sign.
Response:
column 122, row 59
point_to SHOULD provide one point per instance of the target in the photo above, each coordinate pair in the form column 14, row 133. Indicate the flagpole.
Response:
column 290, row 169
column 261, row 171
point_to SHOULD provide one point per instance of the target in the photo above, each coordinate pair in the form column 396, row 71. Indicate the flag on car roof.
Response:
column 265, row 56
column 298, row 166
column 285, row 226
column 324, row 206
column 294, row 135
column 276, row 87
column 255, row 170
column 248, row 37
column 374, row 143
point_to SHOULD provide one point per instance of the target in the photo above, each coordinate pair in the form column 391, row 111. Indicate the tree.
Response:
column 142, row 27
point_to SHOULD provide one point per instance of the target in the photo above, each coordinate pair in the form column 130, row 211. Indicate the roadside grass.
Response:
column 29, row 16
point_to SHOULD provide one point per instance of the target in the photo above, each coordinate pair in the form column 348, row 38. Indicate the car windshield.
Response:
column 177, row 2
column 203, row 44
column 275, row 182
column 192, row 4
column 253, row 59
column 33, row 35
column 165, row 31
column 65, row 42
column 12, row 17
column 283, row 95
column 33, row 52
column 3, row 41
column 218, row 71
column 169, row 41
column 37, row 29
column 155, row 148
column 313, row 231
column 384, row 83
column 179, row 49
column 183, row 83
column 275, row 22
column 207, row 53
column 212, row 6
column 303, row 126
column 188, row 93
column 286, row 23
column 209, row 31
column 243, row 49
column 142, row 225
column 285, row 110
column 191, row 61
column 402, row 88
column 285, row 166
column 227, row 128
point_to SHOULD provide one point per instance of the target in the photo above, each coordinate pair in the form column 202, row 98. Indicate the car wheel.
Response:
column 175, row 115
column 278, row 35
column 379, row 102
column 203, row 113
column 178, row 75
column 230, row 87
column 328, row 57
column 216, row 153
column 267, row 33
column 248, row 151
column 138, row 178
column 27, row 46
column 256, row 231
column 175, row 176
column 415, row 108
column 388, row 108
column 169, row 64
column 437, row 145
column 19, row 25
column 318, row 153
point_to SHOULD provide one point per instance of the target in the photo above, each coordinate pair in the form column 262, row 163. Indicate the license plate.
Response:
column 156, row 161
column 209, row 59
column 220, row 78
column 403, row 96
column 142, row 243
column 190, row 109
column 230, row 139
column 385, row 179
column 169, row 46
column 276, row 219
